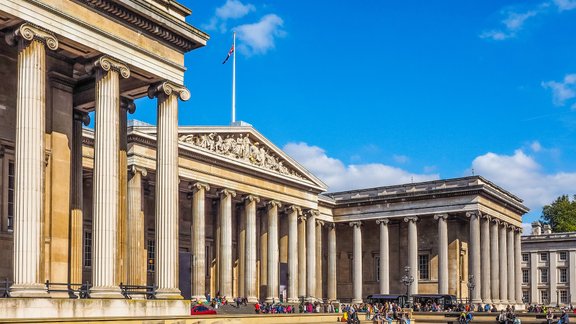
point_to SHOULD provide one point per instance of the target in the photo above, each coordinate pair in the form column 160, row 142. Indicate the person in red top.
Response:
column 257, row 308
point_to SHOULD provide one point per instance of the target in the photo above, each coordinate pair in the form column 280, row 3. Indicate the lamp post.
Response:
column 407, row 280
column 471, row 285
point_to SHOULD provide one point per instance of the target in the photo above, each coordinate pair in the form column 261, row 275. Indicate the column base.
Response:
column 311, row 299
column 293, row 300
column 29, row 291
column 105, row 292
column 486, row 301
column 495, row 301
column 199, row 298
column 272, row 299
column 252, row 299
column 169, row 293
column 357, row 301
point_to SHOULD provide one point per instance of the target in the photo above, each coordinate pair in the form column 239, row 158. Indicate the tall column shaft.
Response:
column 474, row 254
column 518, row 266
column 166, row 216
column 311, row 254
column 319, row 283
column 136, row 274
column 442, row 253
column 332, row 291
column 552, row 277
column 534, row 278
column 511, row 270
column 198, row 274
column 384, row 257
column 413, row 252
column 494, row 261
column 485, row 259
column 250, row 273
column 225, row 215
column 29, row 160
column 242, row 254
column 293, row 212
column 273, row 252
column 503, row 255
column 302, row 256
column 357, row 263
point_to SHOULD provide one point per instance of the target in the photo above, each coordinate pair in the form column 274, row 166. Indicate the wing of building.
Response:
column 131, row 210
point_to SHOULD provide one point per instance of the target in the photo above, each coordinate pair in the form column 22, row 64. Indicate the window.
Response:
column 544, row 256
column 543, row 275
column 544, row 297
column 10, row 218
column 563, row 296
column 563, row 256
column 377, row 268
column 525, row 296
column 525, row 276
column 423, row 266
column 151, row 255
column 525, row 257
column 87, row 249
column 563, row 275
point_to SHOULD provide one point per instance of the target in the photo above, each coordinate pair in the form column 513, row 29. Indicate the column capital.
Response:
column 312, row 212
column 30, row 32
column 128, row 105
column 273, row 203
column 293, row 209
column 503, row 224
column 81, row 116
column 302, row 217
column 168, row 88
column 496, row 221
column 486, row 217
column 443, row 216
column 331, row 225
column 227, row 192
column 134, row 168
column 198, row 186
column 355, row 224
column 519, row 230
column 320, row 222
column 383, row 221
column 472, row 214
column 251, row 198
column 411, row 219
column 107, row 63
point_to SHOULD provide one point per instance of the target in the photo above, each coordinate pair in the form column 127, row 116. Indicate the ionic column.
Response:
column 136, row 262
column 106, row 179
column 319, row 282
column 250, row 271
column 442, row 253
column 225, row 217
column 511, row 271
column 293, row 213
column 311, row 254
column 503, row 259
column 302, row 256
column 384, row 257
column 29, row 159
column 76, row 201
column 518, row 264
column 273, row 252
column 485, row 259
column 494, row 261
column 166, row 218
column 331, row 293
column 474, row 254
column 413, row 252
column 198, row 248
column 357, row 260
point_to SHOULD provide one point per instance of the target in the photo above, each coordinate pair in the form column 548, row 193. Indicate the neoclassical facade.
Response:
column 198, row 211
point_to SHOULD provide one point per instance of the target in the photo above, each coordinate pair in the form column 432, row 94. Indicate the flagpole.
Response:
column 234, row 80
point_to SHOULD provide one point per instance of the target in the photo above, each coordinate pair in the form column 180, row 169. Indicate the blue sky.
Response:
column 369, row 93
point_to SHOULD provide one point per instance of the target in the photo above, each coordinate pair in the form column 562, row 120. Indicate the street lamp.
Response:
column 407, row 280
column 471, row 285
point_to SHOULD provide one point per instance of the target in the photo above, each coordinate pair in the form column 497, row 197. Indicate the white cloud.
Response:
column 398, row 158
column 536, row 146
column 232, row 9
column 562, row 91
column 513, row 22
column 259, row 37
column 339, row 176
column 565, row 4
column 523, row 176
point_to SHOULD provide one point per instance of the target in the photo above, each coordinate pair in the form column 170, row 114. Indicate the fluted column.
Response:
column 442, row 253
column 319, row 283
column 413, row 252
column 503, row 259
column 474, row 254
column 311, row 254
column 76, row 199
column 485, row 259
column 250, row 271
column 518, row 265
column 198, row 248
column 136, row 262
column 273, row 252
column 293, row 213
column 225, row 215
column 511, row 270
column 494, row 261
column 166, row 218
column 106, row 179
column 29, row 158
column 384, row 257
column 331, row 293
column 357, row 263
column 302, row 256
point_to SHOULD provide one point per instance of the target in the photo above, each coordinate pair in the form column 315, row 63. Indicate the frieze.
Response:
column 240, row 147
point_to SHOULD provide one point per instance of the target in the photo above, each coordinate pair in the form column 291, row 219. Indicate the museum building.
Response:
column 199, row 211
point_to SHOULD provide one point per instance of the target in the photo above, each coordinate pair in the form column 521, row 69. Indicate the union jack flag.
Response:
column 229, row 54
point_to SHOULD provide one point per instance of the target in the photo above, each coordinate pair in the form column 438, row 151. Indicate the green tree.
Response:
column 561, row 214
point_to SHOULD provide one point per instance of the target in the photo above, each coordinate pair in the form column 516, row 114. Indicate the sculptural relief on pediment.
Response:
column 240, row 147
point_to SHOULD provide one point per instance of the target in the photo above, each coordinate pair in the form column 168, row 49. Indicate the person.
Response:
column 501, row 318
column 564, row 318
column 549, row 317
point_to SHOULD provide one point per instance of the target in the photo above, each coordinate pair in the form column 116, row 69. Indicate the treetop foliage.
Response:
column 561, row 214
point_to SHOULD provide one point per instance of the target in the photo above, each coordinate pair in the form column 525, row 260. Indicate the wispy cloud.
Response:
column 563, row 91
column 565, row 4
column 260, row 37
column 232, row 9
column 402, row 159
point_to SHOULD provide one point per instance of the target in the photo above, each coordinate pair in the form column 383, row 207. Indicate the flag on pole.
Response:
column 229, row 54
